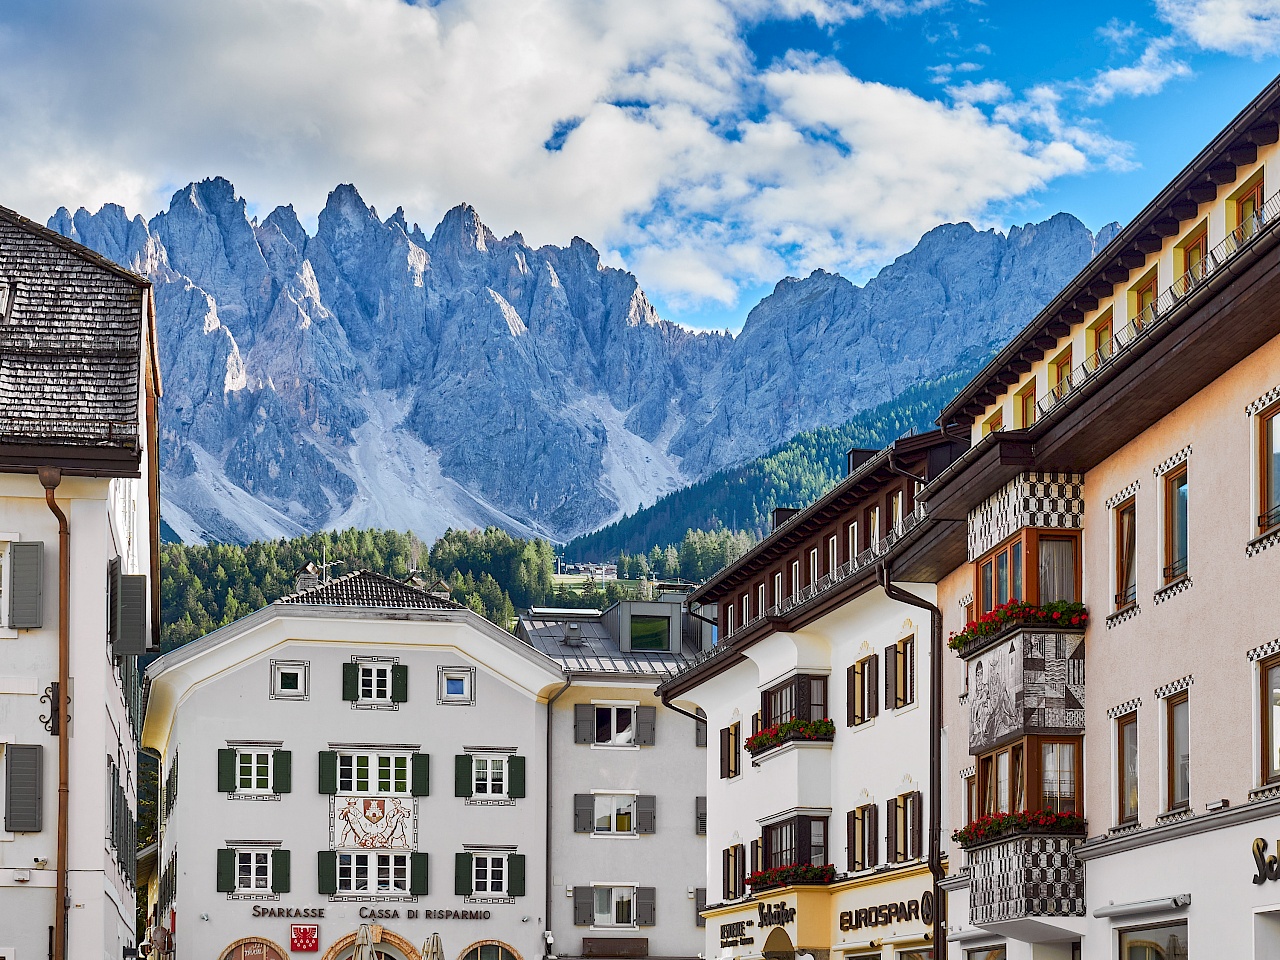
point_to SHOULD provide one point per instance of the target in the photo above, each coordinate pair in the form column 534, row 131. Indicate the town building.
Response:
column 1123, row 476
column 79, row 601
column 817, row 698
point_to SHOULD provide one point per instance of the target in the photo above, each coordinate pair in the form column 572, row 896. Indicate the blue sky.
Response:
column 710, row 146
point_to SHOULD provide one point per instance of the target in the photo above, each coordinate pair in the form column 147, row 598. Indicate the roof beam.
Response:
column 1263, row 134
column 1019, row 365
column 1133, row 259
column 1170, row 225
column 1031, row 353
column 1085, row 302
column 1100, row 287
column 1057, row 329
column 1116, row 273
column 1222, row 173
column 1044, row 342
column 1206, row 192
column 1149, row 243
column 1243, row 153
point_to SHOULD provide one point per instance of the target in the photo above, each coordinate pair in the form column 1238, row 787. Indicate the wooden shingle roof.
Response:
column 364, row 588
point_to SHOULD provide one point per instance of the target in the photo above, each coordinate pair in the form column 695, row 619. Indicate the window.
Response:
column 798, row 840
column 777, row 588
column 253, row 771
column 653, row 633
column 615, row 814
column 615, row 907
column 873, row 526
column 896, row 500
column 375, row 682
column 1271, row 720
column 813, row 566
column 1002, row 782
column 290, row 679
column 993, row 423
column 1034, row 566
column 615, row 725
column 795, row 577
column 903, row 827
column 1034, row 773
column 1127, row 768
column 1168, row 942
column 1178, row 761
column 1142, row 298
column 1060, row 369
column 1001, row 576
column 1058, row 777
column 1126, row 555
column 833, row 554
column 1269, row 474
column 377, row 872
column 1056, row 577
column 1027, row 406
column 253, row 871
column 900, row 674
column 1175, row 524
column 761, row 606
column 1194, row 251
column 728, row 620
column 853, row 539
column 802, row 696
column 863, row 690
column 489, row 874
column 489, row 951
column 1248, row 207
column 373, row 773
column 1100, row 336
column 734, row 863
column 864, row 838
column 490, row 775
column 456, row 685
column 970, row 799
column 746, row 609
column 730, row 751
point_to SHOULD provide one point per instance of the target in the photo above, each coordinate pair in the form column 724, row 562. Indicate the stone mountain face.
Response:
column 370, row 375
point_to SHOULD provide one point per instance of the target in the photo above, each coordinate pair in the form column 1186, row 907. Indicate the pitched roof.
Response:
column 71, row 342
column 364, row 588
column 597, row 651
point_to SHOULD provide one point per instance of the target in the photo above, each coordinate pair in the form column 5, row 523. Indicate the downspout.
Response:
column 50, row 477
column 935, row 750
column 546, row 947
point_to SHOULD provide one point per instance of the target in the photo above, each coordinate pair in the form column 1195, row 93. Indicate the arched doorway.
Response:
column 254, row 948
column 778, row 946
column 392, row 947
column 490, row 950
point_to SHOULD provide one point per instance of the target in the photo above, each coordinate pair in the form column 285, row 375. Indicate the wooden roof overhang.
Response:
column 1258, row 124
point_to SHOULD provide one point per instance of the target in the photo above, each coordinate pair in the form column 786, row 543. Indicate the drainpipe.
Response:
column 50, row 477
column 935, row 750
column 546, row 947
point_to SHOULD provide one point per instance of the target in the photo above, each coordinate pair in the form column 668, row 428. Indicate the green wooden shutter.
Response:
column 420, row 774
column 418, row 874
column 463, row 778
column 462, row 874
column 327, row 871
column 26, row 585
column 226, row 771
column 328, row 771
column 131, row 641
column 584, row 723
column 279, row 871
column 281, row 771
column 515, row 874
column 515, row 778
column 399, row 683
column 24, row 788
column 226, row 871
column 351, row 681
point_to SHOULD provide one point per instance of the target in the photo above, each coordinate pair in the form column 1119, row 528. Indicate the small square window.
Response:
column 290, row 679
column 456, row 685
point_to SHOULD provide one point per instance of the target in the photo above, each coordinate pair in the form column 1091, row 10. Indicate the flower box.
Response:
column 776, row 736
column 1059, row 615
column 799, row 874
column 996, row 826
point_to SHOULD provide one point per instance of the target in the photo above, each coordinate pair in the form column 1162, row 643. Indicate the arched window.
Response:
column 489, row 951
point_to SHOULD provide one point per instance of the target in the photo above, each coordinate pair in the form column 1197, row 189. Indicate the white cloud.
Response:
column 1231, row 26
column 1156, row 67
column 706, row 173
column 988, row 91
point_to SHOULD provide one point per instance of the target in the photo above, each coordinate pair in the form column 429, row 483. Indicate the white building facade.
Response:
column 78, row 547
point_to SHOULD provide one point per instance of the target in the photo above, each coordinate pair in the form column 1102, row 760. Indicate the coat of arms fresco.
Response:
column 381, row 822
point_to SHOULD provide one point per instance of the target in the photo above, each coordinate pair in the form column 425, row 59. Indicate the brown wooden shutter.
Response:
column 584, row 906
column 914, row 811
column 851, row 837
column 646, row 726
column 726, row 872
column 765, row 720
column 724, row 753
column 871, row 684
column 891, row 830
column 584, row 723
column 852, row 708
column 804, row 839
column 757, row 856
column 741, row 878
column 584, row 811
column 871, row 830
column 891, row 677
column 646, row 906
column 646, row 813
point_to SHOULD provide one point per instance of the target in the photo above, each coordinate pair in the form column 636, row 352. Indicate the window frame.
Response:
column 815, row 567
column 833, row 553
column 1171, row 703
column 254, row 853
column 777, row 587
column 865, row 838
column 614, row 798
column 1026, row 405
column 1270, row 735
column 374, row 667
column 1175, row 568
column 1096, row 342
column 613, row 707
column 1197, row 237
column 1125, row 722
column 1126, row 595
column 731, row 741
column 795, row 577
column 613, row 923
column 373, row 772
column 467, row 675
column 798, row 831
column 491, row 859
column 262, row 759
column 792, row 686
column 993, row 423
column 281, row 667
column 372, row 867
column 1144, row 286
column 761, row 598
column 1026, row 774
column 1026, row 568
column 1268, row 512
column 488, row 779
column 865, row 692
column 1060, row 367
column 851, row 534
column 904, row 673
column 874, row 528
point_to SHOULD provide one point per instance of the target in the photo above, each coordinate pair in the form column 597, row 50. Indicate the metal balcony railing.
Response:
column 1154, row 313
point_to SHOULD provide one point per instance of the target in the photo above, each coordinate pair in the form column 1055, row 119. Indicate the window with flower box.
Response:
column 1034, row 565
column 796, row 840
column 1033, row 773
column 802, row 697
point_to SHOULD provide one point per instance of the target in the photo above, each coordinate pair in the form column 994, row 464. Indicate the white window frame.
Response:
column 256, row 753
column 613, row 796
column 777, row 588
column 761, row 606
column 494, row 889
column 444, row 675
column 302, row 668
column 728, row 621
column 6, row 540
column 813, row 566
column 374, row 667
column 613, row 706
column 874, row 527
column 852, row 534
column 488, row 762
column 833, row 553
column 746, row 608
column 613, row 906
column 795, row 577
column 372, row 864
column 374, row 759
column 253, row 853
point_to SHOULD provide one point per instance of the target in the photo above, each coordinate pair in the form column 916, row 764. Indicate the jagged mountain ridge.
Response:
column 371, row 375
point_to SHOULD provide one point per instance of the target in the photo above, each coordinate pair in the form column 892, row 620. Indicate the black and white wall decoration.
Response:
column 1047, row 500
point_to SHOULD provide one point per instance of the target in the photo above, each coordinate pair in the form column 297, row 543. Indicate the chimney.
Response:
column 858, row 456
column 573, row 634
column 781, row 515
column 308, row 578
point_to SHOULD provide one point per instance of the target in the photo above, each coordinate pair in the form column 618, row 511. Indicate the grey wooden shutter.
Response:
column 914, row 810
column 646, row 906
column 584, row 723
column 463, row 778
column 584, row 906
column 584, row 811
column 871, row 682
column 399, row 683
column 700, row 904
column 891, row 678
column 131, row 640
column 724, row 753
column 891, row 830
column 700, row 730
column 462, row 882
column 113, row 602
column 279, row 871
column 420, row 774
column 515, row 874
column 700, row 816
column 646, row 724
column 871, row 830
column 515, row 777
column 851, row 841
column 351, row 681
column 328, row 771
column 418, row 874
column 226, row 771
column 24, row 788
column 281, row 771
column 646, row 813
column 327, row 871
column 226, row 865
column 26, row 585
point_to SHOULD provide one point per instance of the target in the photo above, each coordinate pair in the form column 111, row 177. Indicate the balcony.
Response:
column 793, row 731
column 1025, row 875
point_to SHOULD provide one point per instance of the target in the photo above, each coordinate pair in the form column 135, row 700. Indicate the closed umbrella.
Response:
column 364, row 944
column 432, row 948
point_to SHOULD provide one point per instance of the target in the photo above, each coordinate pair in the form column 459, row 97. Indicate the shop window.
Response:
column 489, row 951
column 1178, row 756
column 1269, row 469
column 801, row 697
column 1034, row 773
column 1127, row 769
column 1126, row 526
column 1165, row 942
column 1175, row 524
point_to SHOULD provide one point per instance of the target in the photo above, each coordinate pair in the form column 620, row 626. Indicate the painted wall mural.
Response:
column 1032, row 682
column 385, row 823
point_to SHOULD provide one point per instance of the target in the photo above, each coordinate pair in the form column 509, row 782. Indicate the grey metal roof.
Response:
column 598, row 652
column 70, row 342
column 364, row 588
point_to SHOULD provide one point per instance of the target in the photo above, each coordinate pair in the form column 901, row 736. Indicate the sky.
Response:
column 711, row 147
